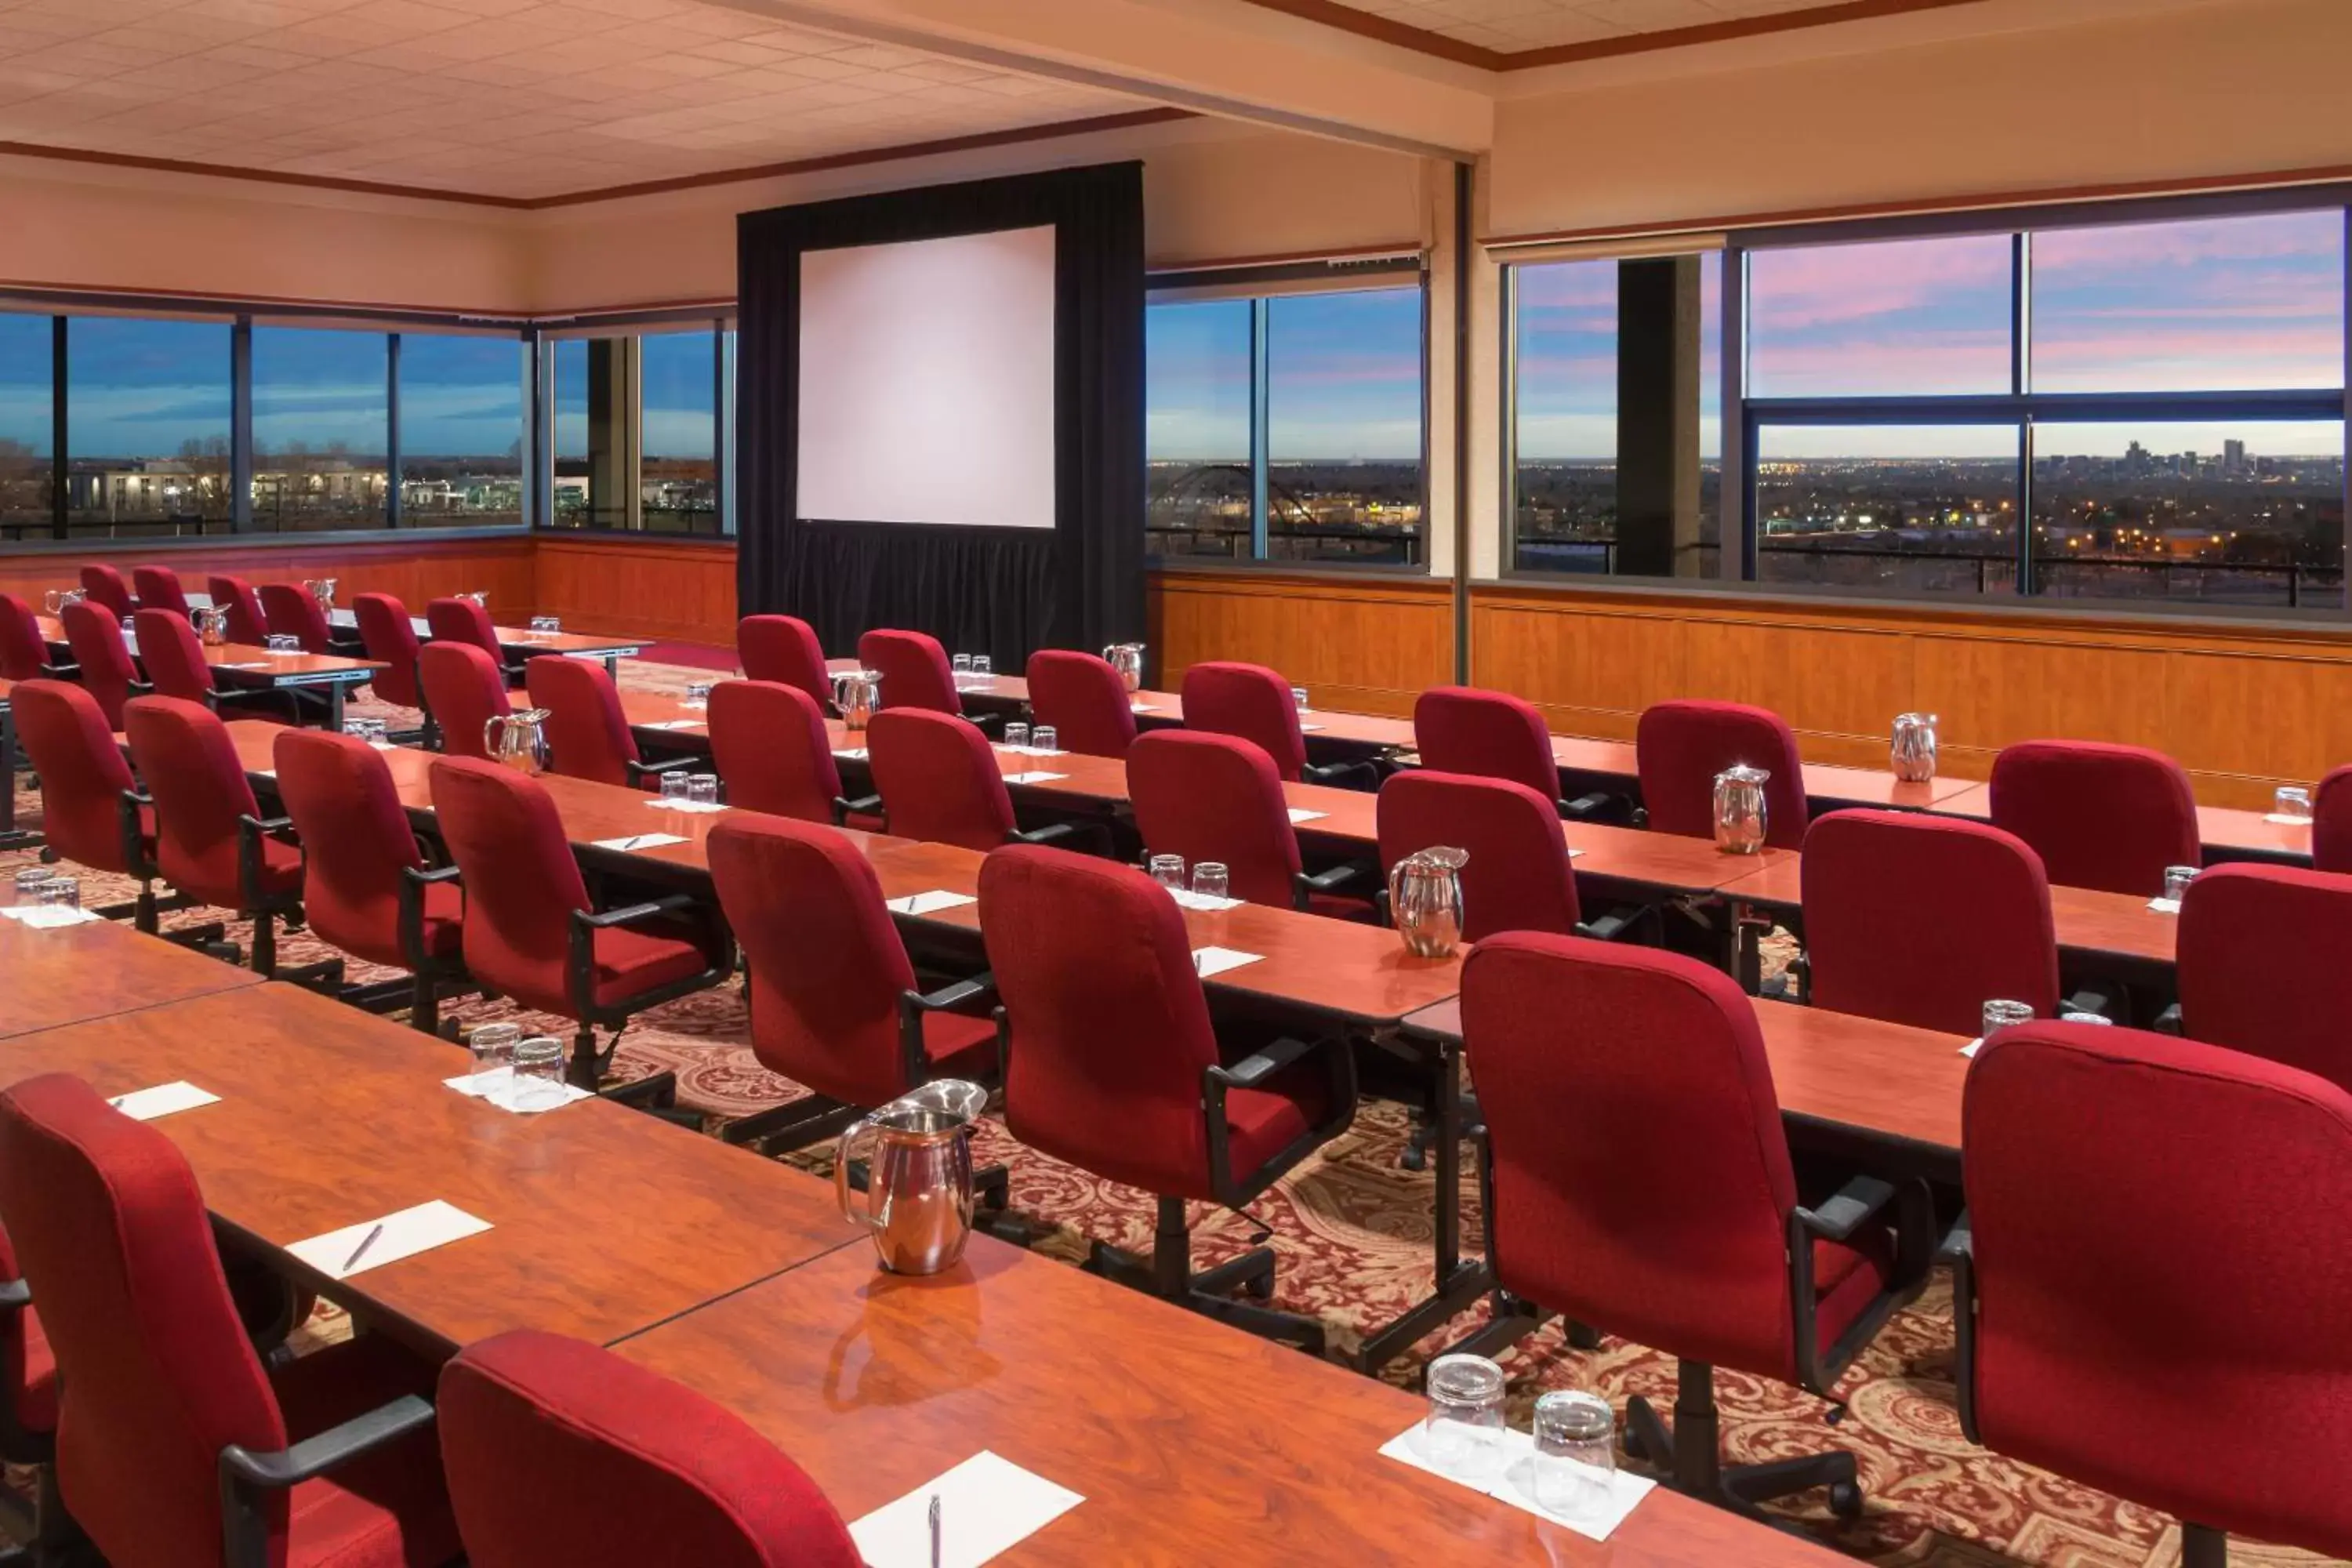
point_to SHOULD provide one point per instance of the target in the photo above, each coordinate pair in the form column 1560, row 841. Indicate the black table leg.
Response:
column 335, row 707
column 1458, row 1283
column 11, row 837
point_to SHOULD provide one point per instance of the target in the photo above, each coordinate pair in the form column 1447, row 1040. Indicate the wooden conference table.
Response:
column 255, row 669
column 517, row 642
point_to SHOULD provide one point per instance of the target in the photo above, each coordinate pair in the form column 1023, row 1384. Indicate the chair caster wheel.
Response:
column 1412, row 1160
column 1258, row 1286
column 1845, row 1500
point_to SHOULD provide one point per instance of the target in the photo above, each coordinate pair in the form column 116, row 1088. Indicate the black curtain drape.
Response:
column 1005, row 592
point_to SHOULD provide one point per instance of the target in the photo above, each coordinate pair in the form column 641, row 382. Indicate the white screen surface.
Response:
column 927, row 382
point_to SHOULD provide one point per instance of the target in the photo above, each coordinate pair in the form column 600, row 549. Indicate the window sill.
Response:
column 1320, row 572
column 294, row 539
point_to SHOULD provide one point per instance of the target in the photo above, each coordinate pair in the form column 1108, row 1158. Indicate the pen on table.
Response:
column 935, row 1530
column 366, row 1242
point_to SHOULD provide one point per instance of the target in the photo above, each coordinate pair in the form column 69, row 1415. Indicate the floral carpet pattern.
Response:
column 1352, row 1232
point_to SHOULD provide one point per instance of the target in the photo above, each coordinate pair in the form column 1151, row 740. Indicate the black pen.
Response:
column 935, row 1530
column 366, row 1242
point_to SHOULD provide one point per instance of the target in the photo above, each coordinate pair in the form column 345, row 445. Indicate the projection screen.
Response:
column 927, row 382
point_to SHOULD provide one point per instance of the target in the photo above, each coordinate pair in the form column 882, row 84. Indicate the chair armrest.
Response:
column 1849, row 1208
column 638, row 773
column 337, row 1446
column 1960, row 1242
column 1613, row 925
column 1585, row 805
column 413, row 883
column 670, row 904
column 1052, row 832
column 66, row 671
column 2168, row 1021
column 2094, row 999
column 1338, row 772
column 1303, row 886
column 988, row 720
column 914, row 1058
column 15, row 1295
column 864, row 805
column 250, row 833
column 1257, row 1067
column 949, row 997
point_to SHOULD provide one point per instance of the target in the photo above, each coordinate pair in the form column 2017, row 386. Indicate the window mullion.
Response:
column 1260, row 425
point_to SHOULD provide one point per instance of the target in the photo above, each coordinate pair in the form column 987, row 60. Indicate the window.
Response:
column 27, row 414
column 1287, row 428
column 1921, row 509
column 321, row 428
column 1916, row 318
column 678, row 478
column 461, row 430
column 1618, row 428
column 641, row 428
column 147, row 424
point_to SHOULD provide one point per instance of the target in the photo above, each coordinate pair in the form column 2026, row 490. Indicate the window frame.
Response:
column 632, row 328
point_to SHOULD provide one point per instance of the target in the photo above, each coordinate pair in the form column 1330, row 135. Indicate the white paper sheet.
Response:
column 1033, row 778
column 1141, row 708
column 674, row 724
column 1309, row 728
column 1202, row 901
column 2164, row 906
column 1208, row 960
column 248, row 663
column 1970, row 1048
column 497, row 1088
column 406, row 1233
column 147, row 1104
column 1033, row 750
column 2286, row 820
column 988, row 1505
column 1512, row 1482
column 635, row 842
column 49, row 917
column 1300, row 814
column 931, row 902
column 858, row 755
column 696, row 807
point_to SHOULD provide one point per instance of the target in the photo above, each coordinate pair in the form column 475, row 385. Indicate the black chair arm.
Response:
column 580, row 971
column 134, row 843
column 244, row 1524
column 1250, row 1072
column 864, row 805
column 2168, row 1021
column 68, row 670
column 669, row 904
column 639, row 772
column 1339, row 774
column 1959, row 1251
column 250, row 833
column 1052, row 832
column 2097, row 999
column 14, row 1294
column 1585, row 805
column 414, row 880
column 1613, row 925
column 141, row 688
column 1254, row 1069
column 991, row 720
column 949, row 997
column 1849, row 1208
column 1302, row 888
column 1960, row 1242
column 914, row 1061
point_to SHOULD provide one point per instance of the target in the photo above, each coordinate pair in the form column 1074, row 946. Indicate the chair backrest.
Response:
column 235, row 598
column 1252, row 703
column 464, row 621
column 390, row 641
column 827, row 966
column 769, row 742
column 1076, row 943
column 1517, row 877
column 783, row 649
column 1216, row 797
column 466, row 689
column 105, row 585
column 914, row 670
column 523, row 884
column 188, row 762
column 1922, row 920
column 104, row 659
column 529, row 1414
column 2104, row 816
column 159, row 589
column 112, row 1232
column 2159, row 1249
column 2331, row 821
column 1485, row 734
column 938, row 779
column 293, row 613
column 66, row 737
column 1675, row 1238
column 1679, row 747
column 1082, row 697
column 173, row 658
column 586, row 731
column 356, row 840
column 2262, row 965
column 24, row 653
column 27, row 1381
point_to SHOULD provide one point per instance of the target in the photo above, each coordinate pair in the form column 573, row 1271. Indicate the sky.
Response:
column 1344, row 377
column 676, row 373
column 1566, row 355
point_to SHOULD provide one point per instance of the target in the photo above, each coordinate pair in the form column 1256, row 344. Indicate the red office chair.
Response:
column 464, row 621
column 1252, row 703
column 390, row 641
column 211, row 841
column 531, row 931
column 770, row 745
column 649, row 1471
column 1484, row 734
column 1077, row 943
column 1216, row 797
column 28, row 1413
column 2331, row 821
column 24, row 652
column 2154, row 1247
column 105, row 587
column 1880, row 888
column 103, row 658
column 939, row 782
column 1679, row 747
column 587, row 734
column 159, row 589
column 464, row 689
column 785, row 650
column 92, row 813
column 1688, row 1235
column 173, row 659
column 914, row 670
column 366, row 886
column 179, row 1442
column 834, row 1002
column 2262, row 966
column 1517, row 877
column 234, row 598
column 292, row 612
column 2111, row 818
column 1082, row 697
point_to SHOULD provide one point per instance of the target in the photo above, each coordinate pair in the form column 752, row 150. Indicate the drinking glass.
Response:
column 960, row 668
column 1046, row 739
column 546, row 623
column 2001, row 1015
column 280, row 642
column 676, row 789
column 538, row 1073
column 1462, row 1434
column 2176, row 881
column 61, row 892
column 28, row 884
column 697, row 694
column 1016, row 734
column 493, row 1046
column 1576, row 1451
column 1210, row 879
column 2291, row 802
column 1168, row 871
column 983, row 669
column 1298, row 695
column 703, row 788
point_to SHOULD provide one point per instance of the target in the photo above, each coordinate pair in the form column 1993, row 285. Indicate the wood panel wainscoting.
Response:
column 1370, row 643
column 2244, row 707
column 681, row 590
column 416, row 567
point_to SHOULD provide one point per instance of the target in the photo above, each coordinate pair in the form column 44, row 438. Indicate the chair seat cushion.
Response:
column 445, row 919
column 387, row 1511
column 281, row 867
column 1847, row 1278
column 960, row 1046
column 632, row 963
column 1264, row 1122
column 36, row 1399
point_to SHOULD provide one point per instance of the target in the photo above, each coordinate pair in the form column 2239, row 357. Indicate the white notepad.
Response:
column 931, row 902
column 988, row 1505
column 1208, row 960
column 1970, row 1048
column 1512, row 1482
column 1300, row 814
column 1033, row 750
column 638, row 841
column 147, row 1104
column 858, row 755
column 2164, row 906
column 702, row 807
column 2286, row 820
column 1143, row 708
column 1034, row 778
column 1308, row 728
column 48, row 917
column 1202, row 901
column 674, row 724
column 406, row 1233
column 496, row 1087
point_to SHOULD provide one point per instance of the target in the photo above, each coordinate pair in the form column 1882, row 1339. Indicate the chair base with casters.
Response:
column 1689, row 1454
column 585, row 1069
column 1167, row 1274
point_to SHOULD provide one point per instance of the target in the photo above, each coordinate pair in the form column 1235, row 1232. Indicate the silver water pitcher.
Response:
column 917, row 1176
column 1126, row 658
column 322, row 589
column 517, row 739
column 1425, row 901
column 1741, row 821
column 858, row 694
column 479, row 595
column 1913, row 751
column 57, row 599
column 211, row 624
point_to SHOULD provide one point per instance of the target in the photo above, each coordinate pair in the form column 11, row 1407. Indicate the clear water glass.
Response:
column 1298, row 696
column 2001, row 1015
column 960, row 668
column 280, row 642
column 29, row 885
column 676, row 789
column 1576, row 1452
column 1462, row 1434
column 697, row 694
column 1210, row 880
column 61, row 892
column 703, row 788
column 1168, row 871
column 2176, row 881
column 1016, row 734
column 538, row 1073
column 493, row 1046
column 983, row 669
column 1046, row 739
column 2292, row 800
column 546, row 623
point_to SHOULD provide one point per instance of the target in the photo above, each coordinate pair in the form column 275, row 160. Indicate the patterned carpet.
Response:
column 1352, row 1233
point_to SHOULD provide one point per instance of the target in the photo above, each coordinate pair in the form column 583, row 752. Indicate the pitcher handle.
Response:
column 490, row 727
column 844, row 1153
